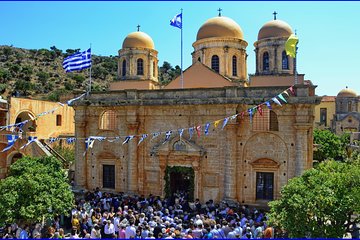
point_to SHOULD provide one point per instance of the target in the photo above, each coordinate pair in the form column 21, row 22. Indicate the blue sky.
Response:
column 328, row 53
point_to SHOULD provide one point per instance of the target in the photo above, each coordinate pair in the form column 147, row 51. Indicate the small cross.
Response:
column 138, row 27
column 219, row 12
column 275, row 13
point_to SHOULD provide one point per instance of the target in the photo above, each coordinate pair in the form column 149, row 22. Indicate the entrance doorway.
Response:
column 179, row 180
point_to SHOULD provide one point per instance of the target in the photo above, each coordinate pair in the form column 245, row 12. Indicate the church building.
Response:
column 217, row 133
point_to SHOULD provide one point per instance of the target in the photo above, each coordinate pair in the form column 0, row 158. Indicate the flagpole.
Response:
column 182, row 77
column 90, row 71
column 296, row 75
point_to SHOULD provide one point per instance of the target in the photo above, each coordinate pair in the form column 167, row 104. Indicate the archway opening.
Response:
column 179, row 180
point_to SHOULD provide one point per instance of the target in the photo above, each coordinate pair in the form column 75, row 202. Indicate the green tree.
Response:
column 331, row 146
column 167, row 73
column 321, row 203
column 35, row 188
column 67, row 152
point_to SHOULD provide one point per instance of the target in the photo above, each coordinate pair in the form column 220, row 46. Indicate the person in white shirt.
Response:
column 109, row 229
column 130, row 230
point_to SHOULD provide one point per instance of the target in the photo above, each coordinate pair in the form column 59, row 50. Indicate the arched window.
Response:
column 108, row 120
column 266, row 121
column 123, row 71
column 215, row 63
column 285, row 61
column 140, row 67
column 266, row 61
column 199, row 59
column 274, row 124
column 234, row 66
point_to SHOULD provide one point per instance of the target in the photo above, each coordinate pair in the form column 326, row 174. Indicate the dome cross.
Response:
column 275, row 13
column 219, row 10
column 138, row 27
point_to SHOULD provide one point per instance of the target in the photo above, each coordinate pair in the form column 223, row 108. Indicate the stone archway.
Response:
column 179, row 179
column 31, row 125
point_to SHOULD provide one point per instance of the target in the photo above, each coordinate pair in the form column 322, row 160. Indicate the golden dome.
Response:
column 138, row 40
column 275, row 28
column 220, row 27
column 347, row 92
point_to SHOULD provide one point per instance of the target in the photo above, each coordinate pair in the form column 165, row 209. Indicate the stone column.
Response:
column 81, row 162
column 301, row 147
column 226, row 62
column 132, row 161
column 257, row 60
column 230, row 162
column 276, row 65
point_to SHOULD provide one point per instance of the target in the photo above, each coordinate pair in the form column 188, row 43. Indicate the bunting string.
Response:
column 89, row 142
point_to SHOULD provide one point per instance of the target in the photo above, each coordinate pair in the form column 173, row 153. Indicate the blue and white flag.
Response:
column 70, row 140
column 74, row 99
column 225, row 122
column 77, row 61
column 207, row 125
column 191, row 132
column 114, row 140
column 167, row 136
column 268, row 104
column 177, row 21
column 127, row 139
column 30, row 140
column 250, row 111
column 89, row 143
column 181, row 132
column 142, row 138
column 11, row 139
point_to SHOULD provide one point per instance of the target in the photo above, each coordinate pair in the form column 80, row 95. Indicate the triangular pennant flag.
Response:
column 242, row 114
column 142, row 138
column 285, row 92
column 167, row 136
column 225, row 122
column 207, row 126
column 268, row 105
column 292, row 90
column 233, row 116
column 282, row 97
column 154, row 135
column 114, row 140
column 276, row 101
column 31, row 139
column 69, row 102
column 250, row 111
column 198, row 130
column 260, row 110
column 61, row 104
column 216, row 123
column 127, row 139
column 191, row 132
column 181, row 132
column 89, row 143
column 11, row 139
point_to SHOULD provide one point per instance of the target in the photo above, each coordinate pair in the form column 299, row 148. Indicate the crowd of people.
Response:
column 105, row 215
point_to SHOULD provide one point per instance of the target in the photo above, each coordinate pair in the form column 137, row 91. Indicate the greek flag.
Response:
column 177, row 21
column 77, row 61
column 167, row 136
column 11, row 139
column 207, row 128
column 127, row 139
column 30, row 140
column 70, row 140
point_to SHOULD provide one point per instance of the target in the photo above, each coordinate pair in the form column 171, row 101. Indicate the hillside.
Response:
column 39, row 73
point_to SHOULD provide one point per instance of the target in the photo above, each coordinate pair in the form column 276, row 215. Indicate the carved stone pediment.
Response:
column 179, row 147
column 264, row 163
column 106, row 155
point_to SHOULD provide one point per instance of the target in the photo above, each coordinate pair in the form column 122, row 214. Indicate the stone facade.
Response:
column 225, row 162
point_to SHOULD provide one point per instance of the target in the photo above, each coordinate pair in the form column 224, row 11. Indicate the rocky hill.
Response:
column 39, row 74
